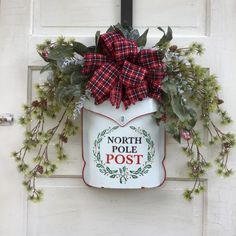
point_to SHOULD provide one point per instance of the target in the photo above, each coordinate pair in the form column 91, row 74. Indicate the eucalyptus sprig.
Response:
column 190, row 96
column 53, row 102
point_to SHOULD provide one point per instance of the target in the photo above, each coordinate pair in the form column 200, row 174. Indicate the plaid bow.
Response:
column 122, row 73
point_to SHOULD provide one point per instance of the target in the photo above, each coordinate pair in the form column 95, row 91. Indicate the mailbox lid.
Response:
column 121, row 115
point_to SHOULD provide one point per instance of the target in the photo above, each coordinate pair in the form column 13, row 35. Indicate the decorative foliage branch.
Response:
column 189, row 95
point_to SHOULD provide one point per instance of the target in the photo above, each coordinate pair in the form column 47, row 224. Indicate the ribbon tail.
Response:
column 116, row 95
column 138, row 93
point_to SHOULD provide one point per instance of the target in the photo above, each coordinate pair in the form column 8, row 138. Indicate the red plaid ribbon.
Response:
column 121, row 73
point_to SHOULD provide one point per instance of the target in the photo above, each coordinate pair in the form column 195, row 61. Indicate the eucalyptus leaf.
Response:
column 118, row 27
column 142, row 40
column 173, row 130
column 134, row 35
column 169, row 86
column 193, row 120
column 110, row 29
column 166, row 38
column 80, row 48
column 46, row 68
column 65, row 92
column 60, row 52
column 97, row 36
column 77, row 78
column 92, row 49
column 165, row 98
column 179, row 109
column 69, row 67
column 158, row 115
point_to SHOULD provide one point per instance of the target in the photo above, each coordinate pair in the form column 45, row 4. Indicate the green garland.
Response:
column 189, row 96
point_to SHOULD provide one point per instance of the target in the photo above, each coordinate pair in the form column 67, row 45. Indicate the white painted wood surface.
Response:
column 71, row 208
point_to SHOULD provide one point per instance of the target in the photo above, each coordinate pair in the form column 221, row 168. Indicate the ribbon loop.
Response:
column 92, row 61
column 121, row 73
column 151, row 59
column 102, row 82
column 132, row 75
column 138, row 93
column 116, row 46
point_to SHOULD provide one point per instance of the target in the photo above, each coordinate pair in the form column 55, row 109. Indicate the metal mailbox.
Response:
column 122, row 149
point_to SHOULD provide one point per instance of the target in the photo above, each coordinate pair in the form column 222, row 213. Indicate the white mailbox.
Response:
column 122, row 149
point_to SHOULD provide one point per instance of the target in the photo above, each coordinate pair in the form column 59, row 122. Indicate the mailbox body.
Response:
column 122, row 149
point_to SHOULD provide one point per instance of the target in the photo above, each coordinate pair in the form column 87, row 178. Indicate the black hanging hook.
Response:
column 127, row 12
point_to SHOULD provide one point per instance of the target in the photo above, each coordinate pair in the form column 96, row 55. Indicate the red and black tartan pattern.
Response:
column 126, row 101
column 92, row 61
column 107, row 42
column 138, row 93
column 154, row 79
column 116, row 46
column 116, row 95
column 150, row 59
column 132, row 75
column 121, row 74
column 102, row 82
column 158, row 74
column 125, row 49
column 154, row 90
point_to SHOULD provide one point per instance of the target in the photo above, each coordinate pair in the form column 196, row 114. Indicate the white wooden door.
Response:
column 70, row 208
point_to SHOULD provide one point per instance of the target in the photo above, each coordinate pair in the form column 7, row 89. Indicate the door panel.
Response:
column 74, row 209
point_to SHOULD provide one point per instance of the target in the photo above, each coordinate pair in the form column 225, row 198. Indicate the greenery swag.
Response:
column 189, row 95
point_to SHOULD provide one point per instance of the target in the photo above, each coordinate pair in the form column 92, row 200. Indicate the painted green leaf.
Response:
column 103, row 132
column 123, row 180
column 139, row 169
column 145, row 132
column 115, row 127
column 149, row 157
column 98, row 156
column 147, row 140
column 109, row 170
column 134, row 176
